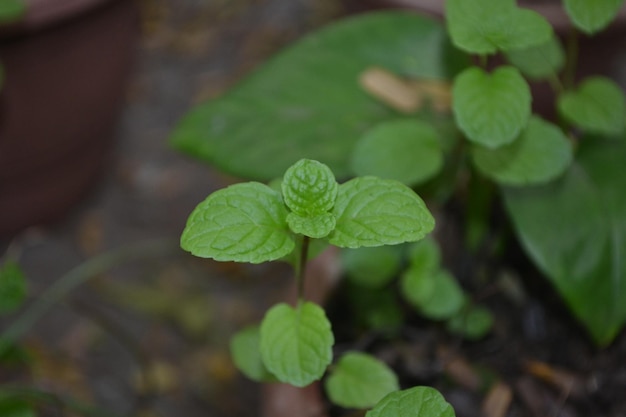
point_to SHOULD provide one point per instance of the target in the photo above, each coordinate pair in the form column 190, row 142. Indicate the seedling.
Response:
column 252, row 222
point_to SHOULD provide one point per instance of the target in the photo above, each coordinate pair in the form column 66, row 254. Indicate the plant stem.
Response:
column 77, row 276
column 301, row 266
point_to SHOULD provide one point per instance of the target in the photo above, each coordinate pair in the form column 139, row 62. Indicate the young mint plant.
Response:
column 252, row 222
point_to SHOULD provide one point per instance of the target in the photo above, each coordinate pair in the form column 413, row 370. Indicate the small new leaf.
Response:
column 413, row 402
column 436, row 295
column 317, row 227
column 243, row 223
column 359, row 380
column 296, row 344
column 309, row 188
column 491, row 109
column 372, row 212
column 598, row 106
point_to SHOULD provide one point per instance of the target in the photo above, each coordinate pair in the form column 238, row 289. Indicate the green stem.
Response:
column 301, row 266
column 77, row 276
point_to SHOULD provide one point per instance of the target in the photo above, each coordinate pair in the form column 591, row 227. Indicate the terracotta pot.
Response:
column 66, row 66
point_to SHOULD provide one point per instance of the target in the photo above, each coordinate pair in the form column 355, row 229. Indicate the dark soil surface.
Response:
column 148, row 335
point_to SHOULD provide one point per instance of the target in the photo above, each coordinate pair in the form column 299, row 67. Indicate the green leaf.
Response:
column 491, row 109
column 540, row 154
column 13, row 407
column 316, row 226
column 413, row 402
column 11, row 10
column 598, row 106
column 296, row 344
column 359, row 380
column 575, row 231
column 243, row 223
column 372, row 212
column 371, row 267
column 309, row 188
column 540, row 61
column 425, row 255
column 473, row 324
column 306, row 102
column 591, row 16
column 246, row 352
column 12, row 287
column 436, row 295
column 405, row 150
column 486, row 26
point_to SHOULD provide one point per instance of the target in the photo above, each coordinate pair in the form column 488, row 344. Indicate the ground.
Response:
column 149, row 336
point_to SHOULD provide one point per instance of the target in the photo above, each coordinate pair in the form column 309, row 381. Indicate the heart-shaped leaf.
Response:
column 541, row 61
column 491, row 109
column 306, row 102
column 296, row 344
column 413, row 402
column 591, row 16
column 575, row 231
column 243, row 223
column 486, row 26
column 598, row 106
column 359, row 380
column 372, row 212
column 405, row 150
column 540, row 154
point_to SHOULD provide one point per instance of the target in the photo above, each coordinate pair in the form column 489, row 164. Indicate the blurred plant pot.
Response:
column 597, row 55
column 66, row 64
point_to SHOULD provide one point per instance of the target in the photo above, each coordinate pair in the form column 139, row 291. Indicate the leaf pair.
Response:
column 250, row 222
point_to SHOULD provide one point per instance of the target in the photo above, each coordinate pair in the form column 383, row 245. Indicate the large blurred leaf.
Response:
column 307, row 103
column 11, row 10
column 575, row 230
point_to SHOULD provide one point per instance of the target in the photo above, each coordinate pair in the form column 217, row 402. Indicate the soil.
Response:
column 149, row 337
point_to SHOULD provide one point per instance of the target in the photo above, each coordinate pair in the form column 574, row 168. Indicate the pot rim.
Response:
column 44, row 13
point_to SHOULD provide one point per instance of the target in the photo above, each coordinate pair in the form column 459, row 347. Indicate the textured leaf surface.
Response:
column 296, row 344
column 540, row 154
column 491, row 109
column 243, row 223
column 359, row 380
column 309, row 188
column 598, row 106
column 575, row 231
column 405, row 150
column 591, row 16
column 306, row 102
column 246, row 352
column 541, row 61
column 312, row 226
column 372, row 212
column 12, row 287
column 371, row 267
column 413, row 402
column 486, row 26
